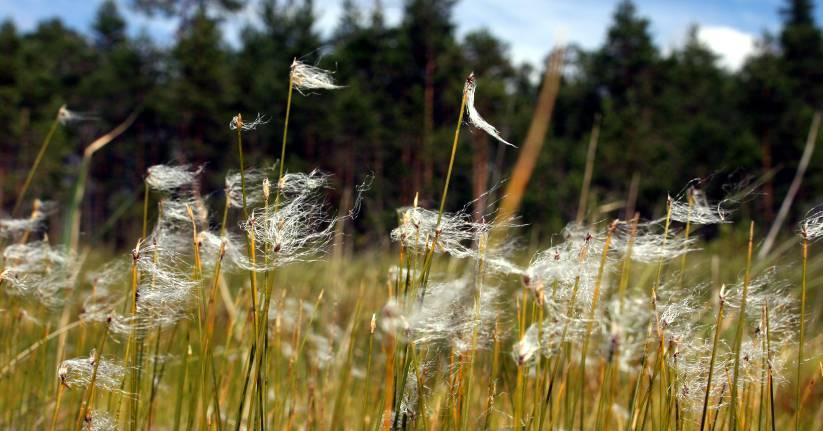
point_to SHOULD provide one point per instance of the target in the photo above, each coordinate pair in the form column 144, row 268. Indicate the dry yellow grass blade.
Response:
column 527, row 158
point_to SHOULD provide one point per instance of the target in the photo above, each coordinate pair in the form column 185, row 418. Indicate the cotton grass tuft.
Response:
column 306, row 77
column 474, row 117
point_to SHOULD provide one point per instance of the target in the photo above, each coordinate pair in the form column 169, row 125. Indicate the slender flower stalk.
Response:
column 625, row 270
column 237, row 121
column 718, row 324
column 39, row 158
column 686, row 233
column 285, row 135
column 427, row 262
column 741, row 321
column 769, row 363
column 469, row 83
column 145, row 209
column 798, row 407
column 89, row 400
column 589, row 326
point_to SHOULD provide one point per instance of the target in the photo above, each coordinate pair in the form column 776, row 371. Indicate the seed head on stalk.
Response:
column 172, row 178
column 812, row 224
column 166, row 292
column 569, row 269
column 627, row 329
column 474, row 117
column 99, row 420
column 544, row 338
column 700, row 210
column 39, row 271
column 66, row 116
column 457, row 235
column 306, row 77
column 649, row 244
column 238, row 123
column 766, row 289
column 448, row 315
column 77, row 373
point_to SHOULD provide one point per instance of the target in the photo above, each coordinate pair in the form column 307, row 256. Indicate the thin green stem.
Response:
column 145, row 209
column 711, row 360
column 451, row 159
column 39, row 158
column 589, row 326
column 428, row 261
column 738, row 340
column 797, row 404
column 285, row 139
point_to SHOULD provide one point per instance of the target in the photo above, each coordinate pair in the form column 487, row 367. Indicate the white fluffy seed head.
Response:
column 694, row 205
column 77, row 373
column 305, row 77
column 768, row 290
column 238, row 123
column 39, row 271
column 457, row 235
column 11, row 228
column 447, row 317
column 474, row 117
column 568, row 270
column 99, row 420
column 543, row 339
column 254, row 187
column 266, row 189
column 298, row 229
column 166, row 291
column 647, row 243
column 811, row 227
column 169, row 178
column 66, row 116
column 626, row 328
column 699, row 212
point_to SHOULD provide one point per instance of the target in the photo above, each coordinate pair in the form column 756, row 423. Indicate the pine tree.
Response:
column 185, row 8
column 698, row 108
column 203, row 89
column 802, row 48
column 9, row 84
column 626, row 71
column 286, row 32
column 429, row 72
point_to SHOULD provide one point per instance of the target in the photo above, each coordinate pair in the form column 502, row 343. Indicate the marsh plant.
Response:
column 227, row 314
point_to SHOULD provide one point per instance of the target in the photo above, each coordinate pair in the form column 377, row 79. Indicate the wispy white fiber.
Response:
column 474, row 117
column 306, row 77
column 238, row 123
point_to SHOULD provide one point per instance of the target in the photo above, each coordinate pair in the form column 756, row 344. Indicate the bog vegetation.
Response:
column 238, row 307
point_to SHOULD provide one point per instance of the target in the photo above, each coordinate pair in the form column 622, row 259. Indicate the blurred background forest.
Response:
column 665, row 116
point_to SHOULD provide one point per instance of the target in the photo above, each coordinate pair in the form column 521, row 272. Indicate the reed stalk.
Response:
column 589, row 326
column 738, row 339
column 798, row 406
column 718, row 324
column 21, row 195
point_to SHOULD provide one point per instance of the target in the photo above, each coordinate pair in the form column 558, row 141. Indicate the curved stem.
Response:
column 37, row 160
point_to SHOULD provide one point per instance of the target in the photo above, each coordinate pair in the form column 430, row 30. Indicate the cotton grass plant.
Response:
column 225, row 314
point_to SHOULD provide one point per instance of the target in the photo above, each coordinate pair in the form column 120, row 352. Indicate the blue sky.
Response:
column 530, row 27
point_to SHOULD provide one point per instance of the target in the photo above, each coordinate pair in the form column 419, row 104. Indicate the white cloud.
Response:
column 732, row 45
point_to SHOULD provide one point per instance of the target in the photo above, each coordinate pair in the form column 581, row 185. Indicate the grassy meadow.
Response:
column 243, row 309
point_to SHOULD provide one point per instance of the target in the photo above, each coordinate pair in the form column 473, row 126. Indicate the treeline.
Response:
column 664, row 118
